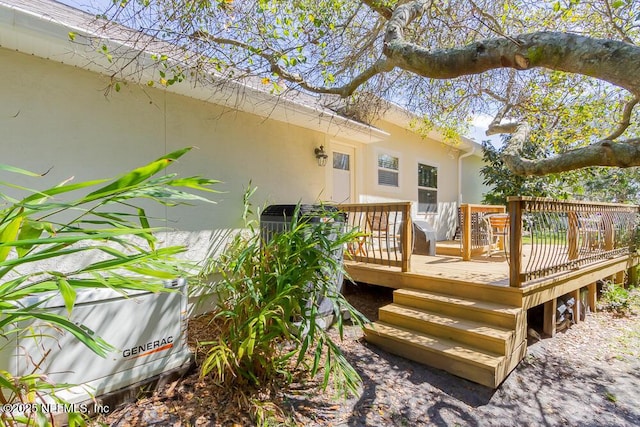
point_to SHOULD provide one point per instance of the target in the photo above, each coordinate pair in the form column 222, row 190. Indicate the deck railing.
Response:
column 473, row 233
column 550, row 236
column 387, row 232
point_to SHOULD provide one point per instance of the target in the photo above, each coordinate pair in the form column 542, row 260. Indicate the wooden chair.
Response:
column 382, row 231
column 498, row 232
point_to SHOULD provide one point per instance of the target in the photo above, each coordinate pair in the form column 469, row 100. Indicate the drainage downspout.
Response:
column 467, row 154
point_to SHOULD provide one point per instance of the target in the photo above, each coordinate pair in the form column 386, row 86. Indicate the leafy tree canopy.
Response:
column 562, row 73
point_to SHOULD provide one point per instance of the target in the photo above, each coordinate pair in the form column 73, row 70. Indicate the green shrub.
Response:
column 617, row 299
column 268, row 296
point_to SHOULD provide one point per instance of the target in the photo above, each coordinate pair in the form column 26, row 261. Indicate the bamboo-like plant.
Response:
column 269, row 296
column 103, row 217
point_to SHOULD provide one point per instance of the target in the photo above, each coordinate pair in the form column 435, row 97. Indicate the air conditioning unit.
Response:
column 148, row 331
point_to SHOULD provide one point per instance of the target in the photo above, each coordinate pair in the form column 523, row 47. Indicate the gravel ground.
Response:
column 586, row 376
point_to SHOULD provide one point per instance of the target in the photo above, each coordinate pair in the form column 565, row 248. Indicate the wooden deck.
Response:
column 466, row 313
column 463, row 316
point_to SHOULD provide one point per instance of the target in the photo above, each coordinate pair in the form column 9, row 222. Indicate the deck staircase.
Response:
column 439, row 326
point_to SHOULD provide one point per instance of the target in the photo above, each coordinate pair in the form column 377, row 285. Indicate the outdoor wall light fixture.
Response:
column 321, row 156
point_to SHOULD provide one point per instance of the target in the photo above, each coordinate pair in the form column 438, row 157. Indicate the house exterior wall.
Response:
column 472, row 186
column 412, row 149
column 54, row 115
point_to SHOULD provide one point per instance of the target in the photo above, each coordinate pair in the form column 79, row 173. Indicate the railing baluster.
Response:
column 407, row 238
column 568, row 235
column 384, row 228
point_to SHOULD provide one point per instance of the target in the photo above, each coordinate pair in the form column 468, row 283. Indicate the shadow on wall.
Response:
column 201, row 246
column 445, row 221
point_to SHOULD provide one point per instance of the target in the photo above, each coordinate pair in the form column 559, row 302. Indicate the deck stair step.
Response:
column 480, row 335
column 467, row 362
column 473, row 338
column 467, row 308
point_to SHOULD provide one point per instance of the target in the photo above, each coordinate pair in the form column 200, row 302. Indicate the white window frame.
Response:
column 383, row 187
column 437, row 168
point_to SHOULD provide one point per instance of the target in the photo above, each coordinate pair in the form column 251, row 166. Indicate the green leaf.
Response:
column 72, row 35
column 195, row 183
column 60, row 189
column 75, row 419
column 8, row 234
column 138, row 175
column 68, row 294
column 83, row 334
column 29, row 230
column 14, row 169
column 144, row 222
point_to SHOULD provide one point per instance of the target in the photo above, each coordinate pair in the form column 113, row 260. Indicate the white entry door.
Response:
column 342, row 163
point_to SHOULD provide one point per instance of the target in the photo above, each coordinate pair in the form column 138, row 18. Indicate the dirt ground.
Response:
column 586, row 376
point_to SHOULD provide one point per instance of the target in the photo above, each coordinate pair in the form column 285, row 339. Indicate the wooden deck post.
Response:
column 515, row 243
column 549, row 325
column 407, row 237
column 632, row 275
column 577, row 306
column 593, row 297
column 572, row 235
column 466, row 231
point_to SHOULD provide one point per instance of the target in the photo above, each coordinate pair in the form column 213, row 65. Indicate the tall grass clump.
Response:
column 269, row 293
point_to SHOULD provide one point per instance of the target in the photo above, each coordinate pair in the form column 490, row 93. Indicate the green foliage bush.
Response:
column 269, row 295
column 616, row 298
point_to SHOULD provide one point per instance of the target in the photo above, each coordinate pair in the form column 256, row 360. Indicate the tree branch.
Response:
column 626, row 119
column 621, row 154
column 378, row 6
column 380, row 66
column 604, row 59
column 625, row 37
column 496, row 126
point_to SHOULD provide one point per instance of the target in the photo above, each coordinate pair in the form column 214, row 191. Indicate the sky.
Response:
column 479, row 126
column 479, row 122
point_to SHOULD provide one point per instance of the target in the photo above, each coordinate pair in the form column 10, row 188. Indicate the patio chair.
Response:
column 498, row 232
column 378, row 229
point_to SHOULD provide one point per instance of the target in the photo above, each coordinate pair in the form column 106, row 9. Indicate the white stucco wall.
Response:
column 473, row 189
column 411, row 150
column 57, row 116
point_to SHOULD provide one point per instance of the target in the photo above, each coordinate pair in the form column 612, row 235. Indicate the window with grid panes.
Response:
column 427, row 189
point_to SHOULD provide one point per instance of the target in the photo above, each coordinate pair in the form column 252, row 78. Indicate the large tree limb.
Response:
column 622, row 154
column 613, row 61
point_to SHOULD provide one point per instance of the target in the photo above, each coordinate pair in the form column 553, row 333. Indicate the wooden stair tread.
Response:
column 472, row 304
column 477, row 328
column 453, row 349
